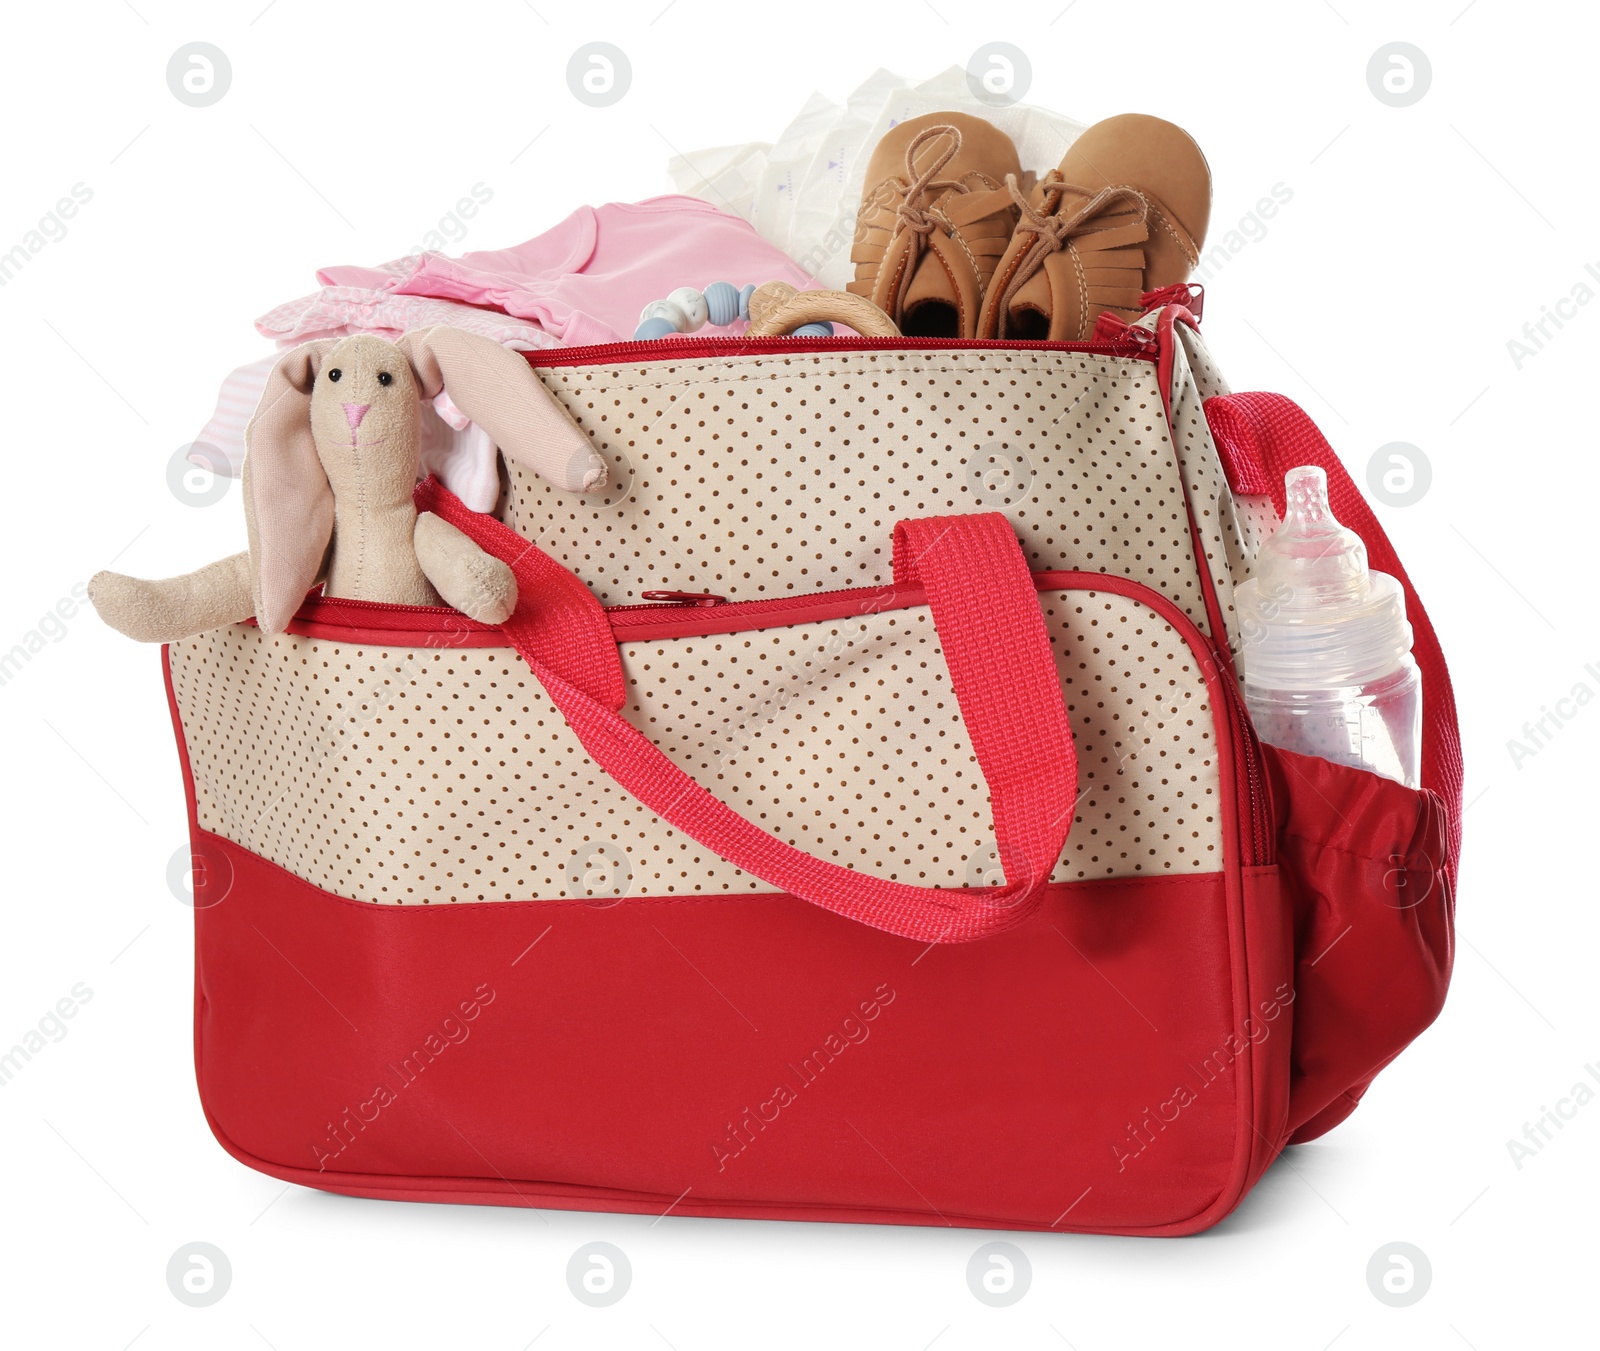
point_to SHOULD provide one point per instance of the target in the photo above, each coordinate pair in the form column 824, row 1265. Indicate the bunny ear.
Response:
column 288, row 504
column 498, row 390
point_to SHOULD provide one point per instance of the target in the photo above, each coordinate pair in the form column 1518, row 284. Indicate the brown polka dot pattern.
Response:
column 764, row 476
column 432, row 775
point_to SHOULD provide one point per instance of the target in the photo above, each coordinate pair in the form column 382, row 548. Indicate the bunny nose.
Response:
column 354, row 412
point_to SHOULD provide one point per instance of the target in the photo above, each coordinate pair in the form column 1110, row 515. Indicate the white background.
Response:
column 1418, row 242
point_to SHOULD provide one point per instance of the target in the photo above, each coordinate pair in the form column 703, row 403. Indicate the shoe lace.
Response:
column 925, row 184
column 1052, row 230
column 923, row 187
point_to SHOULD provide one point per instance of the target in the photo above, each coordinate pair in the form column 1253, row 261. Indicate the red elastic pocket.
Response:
column 1363, row 863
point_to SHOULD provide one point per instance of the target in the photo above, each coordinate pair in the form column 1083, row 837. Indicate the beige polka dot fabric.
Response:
column 1203, row 368
column 1232, row 528
column 428, row 775
column 780, row 475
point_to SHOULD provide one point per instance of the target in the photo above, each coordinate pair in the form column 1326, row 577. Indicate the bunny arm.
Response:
column 175, row 607
column 478, row 584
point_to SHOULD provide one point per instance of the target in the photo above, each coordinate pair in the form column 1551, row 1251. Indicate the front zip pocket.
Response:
column 406, row 754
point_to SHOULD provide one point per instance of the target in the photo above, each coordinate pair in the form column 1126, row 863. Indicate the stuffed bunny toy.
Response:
column 331, row 461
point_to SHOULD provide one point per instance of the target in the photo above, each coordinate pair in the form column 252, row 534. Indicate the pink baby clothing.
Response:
column 343, row 311
column 585, row 280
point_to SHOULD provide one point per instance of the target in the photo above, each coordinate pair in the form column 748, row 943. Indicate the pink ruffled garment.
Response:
column 582, row 282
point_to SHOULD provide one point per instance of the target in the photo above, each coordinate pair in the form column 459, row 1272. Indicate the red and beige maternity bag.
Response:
column 858, row 819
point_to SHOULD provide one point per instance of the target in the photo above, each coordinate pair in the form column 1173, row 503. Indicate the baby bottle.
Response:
column 1326, row 649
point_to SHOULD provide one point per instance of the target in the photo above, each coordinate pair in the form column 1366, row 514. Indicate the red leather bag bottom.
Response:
column 1119, row 1063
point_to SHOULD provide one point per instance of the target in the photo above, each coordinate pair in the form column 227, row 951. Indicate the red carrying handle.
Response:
column 1275, row 433
column 987, row 614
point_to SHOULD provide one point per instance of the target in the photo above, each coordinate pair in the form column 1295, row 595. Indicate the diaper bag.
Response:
column 858, row 819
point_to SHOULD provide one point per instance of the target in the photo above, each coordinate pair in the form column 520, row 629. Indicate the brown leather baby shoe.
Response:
column 1125, row 213
column 935, row 218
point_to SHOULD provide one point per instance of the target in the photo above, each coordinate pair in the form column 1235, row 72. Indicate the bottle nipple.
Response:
column 1312, row 560
column 1313, row 615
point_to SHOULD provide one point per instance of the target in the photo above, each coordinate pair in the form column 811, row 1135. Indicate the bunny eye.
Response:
column 334, row 375
column 384, row 378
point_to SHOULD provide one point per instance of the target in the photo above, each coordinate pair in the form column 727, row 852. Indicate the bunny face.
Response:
column 334, row 440
column 364, row 415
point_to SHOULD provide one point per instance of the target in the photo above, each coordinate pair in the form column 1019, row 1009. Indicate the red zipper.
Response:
column 706, row 614
column 733, row 345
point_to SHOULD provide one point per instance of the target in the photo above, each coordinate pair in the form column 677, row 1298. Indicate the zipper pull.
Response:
column 1134, row 339
column 705, row 599
column 1190, row 294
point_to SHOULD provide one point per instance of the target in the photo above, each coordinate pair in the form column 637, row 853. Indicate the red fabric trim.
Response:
column 722, row 347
